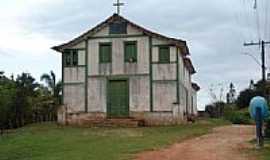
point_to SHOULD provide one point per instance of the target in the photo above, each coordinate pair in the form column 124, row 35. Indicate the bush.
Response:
column 215, row 110
column 245, row 96
column 238, row 117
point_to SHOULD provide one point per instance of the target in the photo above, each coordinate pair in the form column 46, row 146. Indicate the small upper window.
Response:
column 67, row 57
column 105, row 52
column 131, row 51
column 118, row 28
column 71, row 58
column 164, row 54
column 75, row 58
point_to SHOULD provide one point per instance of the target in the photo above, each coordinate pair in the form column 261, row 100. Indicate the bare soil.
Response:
column 224, row 143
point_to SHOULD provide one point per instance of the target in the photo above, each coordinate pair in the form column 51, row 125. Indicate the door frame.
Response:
column 107, row 95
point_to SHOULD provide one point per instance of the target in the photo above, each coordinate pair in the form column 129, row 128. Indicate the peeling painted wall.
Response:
column 74, row 75
column 164, row 71
column 164, row 96
column 81, row 57
column 97, row 94
column 118, row 66
column 194, row 102
column 74, row 97
column 139, row 93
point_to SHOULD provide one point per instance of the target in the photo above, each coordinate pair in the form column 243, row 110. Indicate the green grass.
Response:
column 261, row 154
column 264, row 154
column 52, row 142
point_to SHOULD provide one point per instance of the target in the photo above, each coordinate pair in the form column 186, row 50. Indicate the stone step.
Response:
column 124, row 122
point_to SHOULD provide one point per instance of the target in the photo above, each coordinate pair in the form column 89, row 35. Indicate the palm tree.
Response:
column 50, row 80
column 55, row 88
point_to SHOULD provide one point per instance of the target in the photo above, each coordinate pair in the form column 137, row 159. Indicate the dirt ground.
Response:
column 224, row 143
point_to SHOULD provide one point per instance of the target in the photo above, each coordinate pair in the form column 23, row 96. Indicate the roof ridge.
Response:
column 85, row 35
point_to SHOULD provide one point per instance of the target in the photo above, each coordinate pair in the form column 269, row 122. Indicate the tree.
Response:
column 55, row 88
column 1, row 74
column 50, row 80
column 213, row 91
column 24, row 101
column 43, row 107
column 245, row 96
column 258, row 89
column 231, row 94
column 7, row 97
column 251, row 85
column 26, row 87
column 215, row 110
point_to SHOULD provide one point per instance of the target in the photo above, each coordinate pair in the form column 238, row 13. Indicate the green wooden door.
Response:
column 118, row 99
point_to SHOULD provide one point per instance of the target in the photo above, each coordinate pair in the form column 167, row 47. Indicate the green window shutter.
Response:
column 68, row 57
column 164, row 54
column 105, row 53
column 131, row 51
column 75, row 58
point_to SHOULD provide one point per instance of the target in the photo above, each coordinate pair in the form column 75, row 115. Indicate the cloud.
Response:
column 215, row 32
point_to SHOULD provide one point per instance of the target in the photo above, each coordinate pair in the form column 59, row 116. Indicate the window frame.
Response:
column 168, row 60
column 71, row 55
column 121, row 30
column 101, row 61
column 128, row 56
column 75, row 57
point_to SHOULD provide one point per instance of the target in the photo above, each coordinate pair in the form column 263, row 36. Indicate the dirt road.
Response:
column 224, row 143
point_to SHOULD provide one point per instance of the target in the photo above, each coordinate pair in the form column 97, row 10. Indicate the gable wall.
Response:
column 105, row 31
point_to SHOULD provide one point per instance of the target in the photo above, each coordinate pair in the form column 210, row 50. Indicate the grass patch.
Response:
column 264, row 154
column 52, row 142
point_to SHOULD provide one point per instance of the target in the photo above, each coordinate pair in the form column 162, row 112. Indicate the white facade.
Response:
column 155, row 89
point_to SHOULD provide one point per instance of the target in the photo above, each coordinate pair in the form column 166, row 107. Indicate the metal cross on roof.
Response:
column 118, row 5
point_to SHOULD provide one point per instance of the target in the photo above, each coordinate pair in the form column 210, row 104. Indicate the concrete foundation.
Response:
column 96, row 118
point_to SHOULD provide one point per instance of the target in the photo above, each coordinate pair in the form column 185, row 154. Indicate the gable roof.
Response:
column 115, row 17
column 189, row 65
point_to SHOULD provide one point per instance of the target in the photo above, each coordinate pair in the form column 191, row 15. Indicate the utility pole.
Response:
column 262, row 43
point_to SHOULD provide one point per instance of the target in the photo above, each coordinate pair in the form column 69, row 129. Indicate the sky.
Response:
column 215, row 31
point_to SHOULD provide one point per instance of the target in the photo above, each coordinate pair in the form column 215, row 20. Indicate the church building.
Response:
column 120, row 70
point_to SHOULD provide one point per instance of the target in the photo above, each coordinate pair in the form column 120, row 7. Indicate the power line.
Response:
column 257, row 19
column 267, row 24
column 253, row 57
column 237, row 14
column 262, row 44
column 246, row 17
